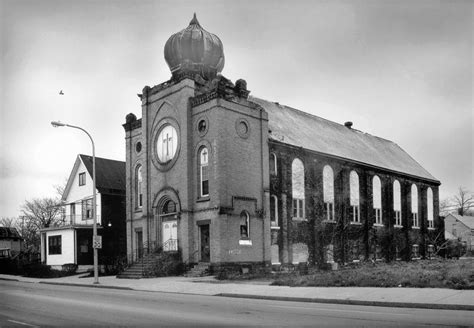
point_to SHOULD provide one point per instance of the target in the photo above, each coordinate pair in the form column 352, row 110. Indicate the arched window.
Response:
column 414, row 206
column 328, row 192
column 168, row 207
column 139, row 187
column 429, row 201
column 377, row 198
column 397, row 203
column 274, row 212
column 354, row 195
column 273, row 164
column 297, row 181
column 244, row 225
column 203, row 172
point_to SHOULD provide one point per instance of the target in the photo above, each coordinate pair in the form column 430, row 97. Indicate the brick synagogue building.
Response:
column 230, row 179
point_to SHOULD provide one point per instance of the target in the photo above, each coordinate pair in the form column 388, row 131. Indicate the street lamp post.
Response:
column 94, row 198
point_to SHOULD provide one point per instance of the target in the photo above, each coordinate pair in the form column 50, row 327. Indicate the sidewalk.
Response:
column 432, row 298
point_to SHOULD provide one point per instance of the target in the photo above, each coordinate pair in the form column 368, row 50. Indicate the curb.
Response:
column 354, row 302
column 83, row 285
column 8, row 279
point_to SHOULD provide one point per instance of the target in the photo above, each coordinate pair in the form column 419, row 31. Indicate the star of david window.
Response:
column 167, row 143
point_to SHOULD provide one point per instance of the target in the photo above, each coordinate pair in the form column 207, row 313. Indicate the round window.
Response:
column 242, row 128
column 167, row 143
column 202, row 126
column 138, row 147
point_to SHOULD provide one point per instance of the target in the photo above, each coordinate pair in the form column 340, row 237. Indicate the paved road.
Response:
column 38, row 305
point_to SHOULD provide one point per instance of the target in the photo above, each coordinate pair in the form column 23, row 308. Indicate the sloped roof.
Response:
column 300, row 129
column 110, row 174
column 9, row 233
column 468, row 221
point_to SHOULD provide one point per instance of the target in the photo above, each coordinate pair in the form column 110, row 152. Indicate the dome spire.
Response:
column 194, row 51
column 194, row 21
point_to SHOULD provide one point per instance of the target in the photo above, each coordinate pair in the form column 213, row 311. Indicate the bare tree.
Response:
column 463, row 201
column 42, row 212
column 8, row 222
column 61, row 187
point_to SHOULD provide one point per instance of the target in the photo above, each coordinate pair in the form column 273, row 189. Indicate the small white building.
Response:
column 72, row 241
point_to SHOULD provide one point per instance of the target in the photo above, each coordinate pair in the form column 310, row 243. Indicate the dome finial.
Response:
column 194, row 21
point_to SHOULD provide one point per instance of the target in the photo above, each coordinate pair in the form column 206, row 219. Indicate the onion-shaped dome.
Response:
column 195, row 50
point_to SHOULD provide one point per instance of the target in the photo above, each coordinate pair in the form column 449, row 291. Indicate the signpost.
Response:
column 97, row 242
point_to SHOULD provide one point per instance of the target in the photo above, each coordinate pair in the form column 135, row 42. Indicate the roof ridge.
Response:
column 322, row 118
column 103, row 158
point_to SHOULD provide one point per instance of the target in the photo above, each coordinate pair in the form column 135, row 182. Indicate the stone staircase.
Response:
column 199, row 270
column 135, row 271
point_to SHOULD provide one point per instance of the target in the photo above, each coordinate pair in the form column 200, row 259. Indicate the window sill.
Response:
column 138, row 209
column 378, row 225
column 275, row 228
column 299, row 219
column 329, row 221
column 203, row 199
column 245, row 242
column 355, row 223
column 416, row 228
column 397, row 226
column 431, row 229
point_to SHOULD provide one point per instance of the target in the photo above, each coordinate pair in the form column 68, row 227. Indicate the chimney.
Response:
column 348, row 124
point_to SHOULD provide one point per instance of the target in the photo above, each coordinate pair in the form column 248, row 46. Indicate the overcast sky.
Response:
column 401, row 70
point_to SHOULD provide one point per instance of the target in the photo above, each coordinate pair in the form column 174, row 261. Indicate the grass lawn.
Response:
column 456, row 274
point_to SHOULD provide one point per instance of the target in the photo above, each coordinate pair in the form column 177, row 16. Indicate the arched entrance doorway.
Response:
column 168, row 216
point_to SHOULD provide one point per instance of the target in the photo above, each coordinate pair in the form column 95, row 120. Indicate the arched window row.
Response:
column 354, row 191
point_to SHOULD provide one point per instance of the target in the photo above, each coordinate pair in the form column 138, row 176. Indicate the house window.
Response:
column 415, row 252
column 377, row 199
column 414, row 206
column 297, row 180
column 273, row 164
column 397, row 204
column 244, row 225
column 139, row 187
column 87, row 209
column 54, row 245
column 274, row 212
column 328, row 192
column 354, row 196
column 203, row 172
column 429, row 201
column 82, row 179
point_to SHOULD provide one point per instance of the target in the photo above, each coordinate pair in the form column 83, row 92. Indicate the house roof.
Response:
column 110, row 174
column 9, row 233
column 468, row 221
column 300, row 129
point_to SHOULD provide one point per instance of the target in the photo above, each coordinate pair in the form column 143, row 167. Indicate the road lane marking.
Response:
column 22, row 323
